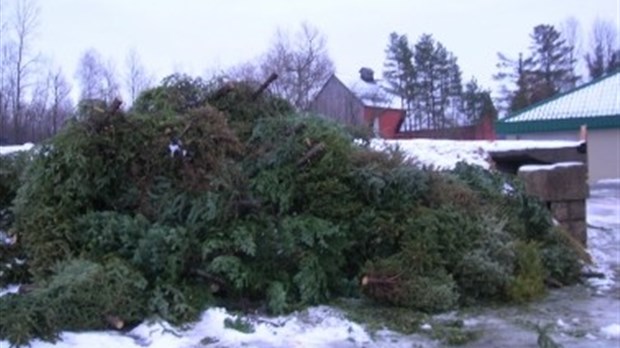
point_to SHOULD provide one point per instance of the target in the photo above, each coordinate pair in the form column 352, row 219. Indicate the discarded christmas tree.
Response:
column 219, row 193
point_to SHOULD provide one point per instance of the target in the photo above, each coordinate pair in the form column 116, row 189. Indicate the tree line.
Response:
column 550, row 65
column 36, row 95
column 428, row 80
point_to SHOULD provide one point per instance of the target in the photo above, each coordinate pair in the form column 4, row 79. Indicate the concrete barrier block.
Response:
column 568, row 210
column 577, row 210
column 578, row 230
column 566, row 181
column 560, row 211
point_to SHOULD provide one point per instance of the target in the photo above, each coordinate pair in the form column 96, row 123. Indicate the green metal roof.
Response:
column 595, row 104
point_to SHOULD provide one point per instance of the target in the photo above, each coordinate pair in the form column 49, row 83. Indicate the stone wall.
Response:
column 563, row 186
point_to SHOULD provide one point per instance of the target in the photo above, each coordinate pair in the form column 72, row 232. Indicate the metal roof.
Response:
column 595, row 104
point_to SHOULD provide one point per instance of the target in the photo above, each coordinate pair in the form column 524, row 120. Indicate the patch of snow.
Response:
column 537, row 167
column 319, row 326
column 507, row 189
column 560, row 323
column 5, row 150
column 609, row 181
column 371, row 93
column 426, row 326
column 445, row 154
column 11, row 289
column 603, row 218
column 471, row 321
column 512, row 145
column 590, row 336
column 19, row 261
column 174, row 148
column 358, row 142
column 438, row 154
column 611, row 331
column 5, row 239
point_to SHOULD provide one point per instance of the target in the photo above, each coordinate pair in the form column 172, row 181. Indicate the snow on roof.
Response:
column 538, row 167
column 445, row 154
column 5, row 150
column 599, row 98
column 373, row 94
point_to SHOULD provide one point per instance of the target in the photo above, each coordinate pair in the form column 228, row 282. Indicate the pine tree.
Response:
column 553, row 64
column 450, row 87
column 437, row 83
column 547, row 70
column 525, row 81
column 517, row 80
column 477, row 103
column 398, row 70
column 427, row 78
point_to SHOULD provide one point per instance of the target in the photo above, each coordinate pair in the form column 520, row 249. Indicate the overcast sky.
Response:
column 199, row 36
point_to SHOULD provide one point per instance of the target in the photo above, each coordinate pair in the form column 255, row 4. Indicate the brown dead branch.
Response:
column 598, row 275
column 26, row 288
column 215, row 283
column 370, row 280
column 100, row 122
column 115, row 106
column 554, row 283
column 114, row 321
column 315, row 151
column 264, row 86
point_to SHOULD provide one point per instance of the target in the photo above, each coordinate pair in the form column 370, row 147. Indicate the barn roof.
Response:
column 374, row 94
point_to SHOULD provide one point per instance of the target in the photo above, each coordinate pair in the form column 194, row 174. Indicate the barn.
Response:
column 360, row 101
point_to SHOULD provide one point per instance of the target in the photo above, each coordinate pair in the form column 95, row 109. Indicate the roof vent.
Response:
column 367, row 75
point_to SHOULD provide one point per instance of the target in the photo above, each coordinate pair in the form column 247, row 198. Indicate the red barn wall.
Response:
column 484, row 130
column 389, row 120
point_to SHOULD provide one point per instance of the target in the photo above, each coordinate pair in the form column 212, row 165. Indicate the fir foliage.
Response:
column 79, row 295
column 223, row 196
column 12, row 257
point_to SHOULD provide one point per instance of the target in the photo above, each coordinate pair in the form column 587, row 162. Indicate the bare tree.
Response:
column 36, row 110
column 136, row 77
column 245, row 71
column 60, row 107
column 89, row 74
column 6, row 88
column 97, row 79
column 18, row 33
column 111, row 86
column 301, row 62
column 571, row 33
column 604, row 52
column 5, row 96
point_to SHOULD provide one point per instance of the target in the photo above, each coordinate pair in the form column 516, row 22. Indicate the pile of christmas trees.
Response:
column 208, row 193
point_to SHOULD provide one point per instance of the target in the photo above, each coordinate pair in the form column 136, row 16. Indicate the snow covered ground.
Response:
column 5, row 150
column 445, row 154
column 580, row 316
